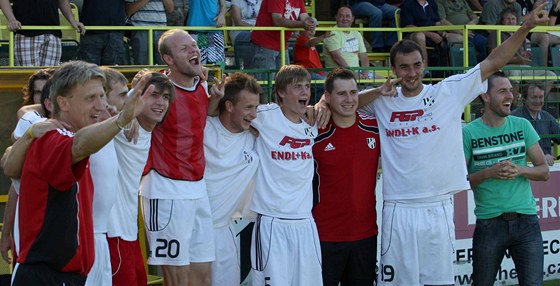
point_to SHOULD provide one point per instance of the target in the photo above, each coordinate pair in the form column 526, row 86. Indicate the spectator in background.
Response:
column 277, row 13
column 38, row 47
column 211, row 43
column 346, row 48
column 491, row 12
column 376, row 11
column 477, row 5
column 306, row 56
column 458, row 12
column 178, row 16
column 102, row 47
column 554, row 21
column 544, row 123
column 244, row 13
column 146, row 13
column 34, row 88
column 420, row 13
column 522, row 57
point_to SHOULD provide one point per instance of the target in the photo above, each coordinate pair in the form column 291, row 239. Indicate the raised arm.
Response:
column 503, row 53
column 91, row 139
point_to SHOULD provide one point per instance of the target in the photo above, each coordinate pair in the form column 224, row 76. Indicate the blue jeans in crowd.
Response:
column 376, row 14
column 521, row 236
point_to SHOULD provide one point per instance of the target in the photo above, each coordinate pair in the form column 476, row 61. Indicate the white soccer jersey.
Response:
column 284, row 178
column 132, row 158
column 422, row 140
column 231, row 165
column 103, row 167
column 25, row 121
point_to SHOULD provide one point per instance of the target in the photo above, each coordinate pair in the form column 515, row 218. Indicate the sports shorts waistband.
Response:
column 419, row 203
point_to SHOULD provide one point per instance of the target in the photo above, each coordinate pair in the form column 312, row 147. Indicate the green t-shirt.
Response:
column 484, row 146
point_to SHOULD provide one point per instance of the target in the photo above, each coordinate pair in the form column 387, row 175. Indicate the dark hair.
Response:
column 162, row 82
column 344, row 6
column 235, row 83
column 44, row 95
column 42, row 74
column 338, row 73
column 404, row 47
column 508, row 10
column 494, row 76
column 525, row 92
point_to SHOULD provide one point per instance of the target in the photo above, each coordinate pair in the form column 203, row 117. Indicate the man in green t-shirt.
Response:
column 496, row 149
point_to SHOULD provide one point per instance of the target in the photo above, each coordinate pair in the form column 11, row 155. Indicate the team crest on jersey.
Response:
column 428, row 101
column 247, row 157
column 309, row 132
column 371, row 142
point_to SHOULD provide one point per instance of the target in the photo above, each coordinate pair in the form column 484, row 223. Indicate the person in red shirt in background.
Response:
column 307, row 56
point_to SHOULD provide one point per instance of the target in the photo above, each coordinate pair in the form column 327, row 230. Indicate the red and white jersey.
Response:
column 231, row 165
column 177, row 150
column 284, row 180
column 422, row 138
column 103, row 167
column 55, row 206
column 132, row 158
column 346, row 161
column 177, row 143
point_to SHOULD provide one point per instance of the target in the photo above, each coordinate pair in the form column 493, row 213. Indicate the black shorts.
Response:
column 41, row 274
column 350, row 263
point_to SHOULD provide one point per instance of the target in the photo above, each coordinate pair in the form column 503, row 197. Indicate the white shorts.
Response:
column 285, row 252
column 179, row 232
column 417, row 244
column 100, row 273
column 225, row 269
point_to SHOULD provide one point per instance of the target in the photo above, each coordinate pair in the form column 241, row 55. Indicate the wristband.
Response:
column 30, row 131
column 117, row 122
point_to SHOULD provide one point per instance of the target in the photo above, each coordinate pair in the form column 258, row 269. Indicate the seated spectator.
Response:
column 458, row 12
column 244, row 13
column 102, row 47
column 306, row 55
column 277, row 13
column 211, row 43
column 522, row 57
column 554, row 21
column 543, row 122
column 38, row 47
column 346, row 48
column 491, row 11
column 146, row 13
column 491, row 16
column 421, row 13
column 477, row 5
column 376, row 11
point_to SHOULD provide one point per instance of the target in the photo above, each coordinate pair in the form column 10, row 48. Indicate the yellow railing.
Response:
column 400, row 31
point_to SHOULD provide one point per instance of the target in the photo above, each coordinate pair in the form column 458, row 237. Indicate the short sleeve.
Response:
column 53, row 154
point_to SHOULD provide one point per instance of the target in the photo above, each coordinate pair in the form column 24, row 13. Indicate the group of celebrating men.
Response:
column 204, row 155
